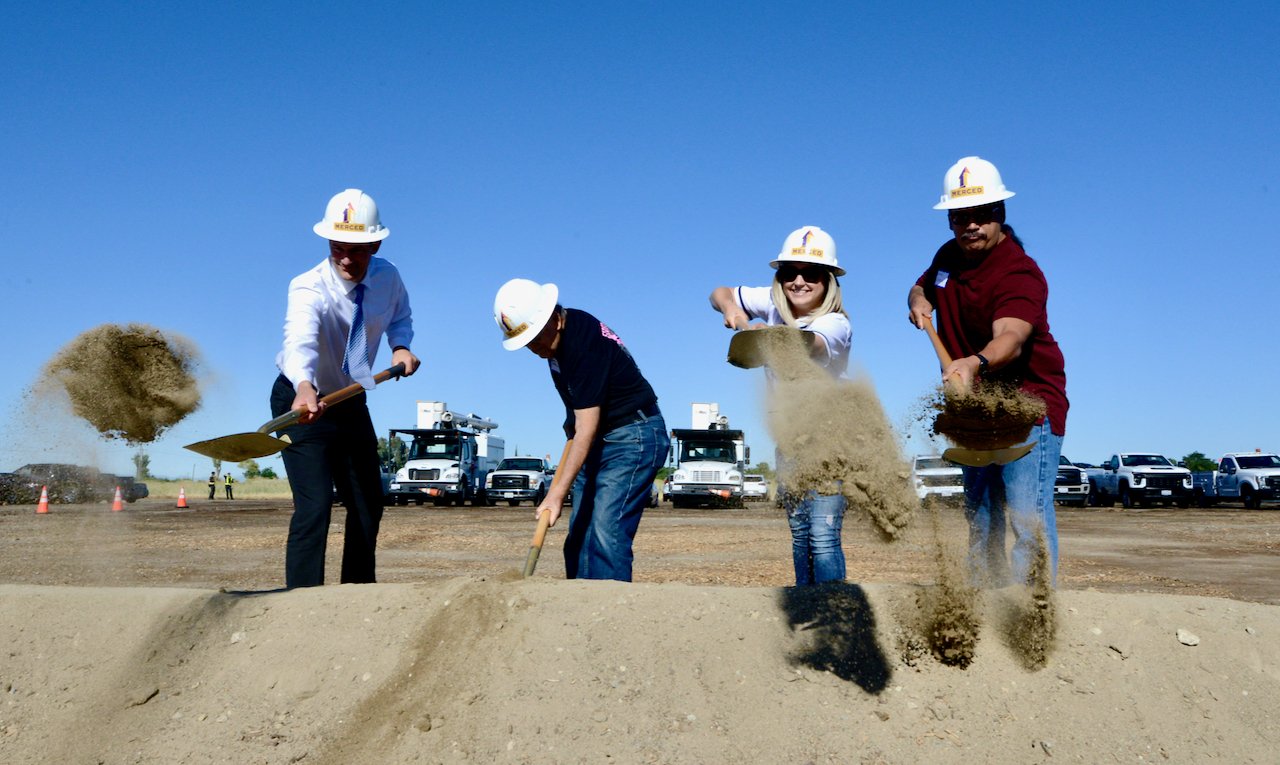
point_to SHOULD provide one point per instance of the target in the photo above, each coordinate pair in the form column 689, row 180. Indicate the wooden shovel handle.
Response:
column 291, row 416
column 944, row 358
column 544, row 522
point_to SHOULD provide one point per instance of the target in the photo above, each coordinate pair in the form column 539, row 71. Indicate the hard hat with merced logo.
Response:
column 809, row 245
column 521, row 309
column 971, row 182
column 352, row 216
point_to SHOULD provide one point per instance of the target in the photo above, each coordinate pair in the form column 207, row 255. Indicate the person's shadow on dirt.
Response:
column 840, row 633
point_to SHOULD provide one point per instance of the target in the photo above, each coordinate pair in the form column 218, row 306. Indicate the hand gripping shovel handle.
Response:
column 971, row 457
column 291, row 416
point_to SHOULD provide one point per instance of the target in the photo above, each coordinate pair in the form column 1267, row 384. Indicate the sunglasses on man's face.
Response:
column 980, row 215
column 811, row 274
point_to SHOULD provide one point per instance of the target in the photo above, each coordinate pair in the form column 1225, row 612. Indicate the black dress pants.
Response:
column 338, row 451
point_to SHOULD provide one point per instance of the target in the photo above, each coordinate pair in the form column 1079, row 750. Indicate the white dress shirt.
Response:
column 833, row 328
column 318, row 319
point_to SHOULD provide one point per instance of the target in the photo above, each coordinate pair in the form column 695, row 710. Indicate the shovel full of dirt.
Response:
column 989, row 423
column 260, row 443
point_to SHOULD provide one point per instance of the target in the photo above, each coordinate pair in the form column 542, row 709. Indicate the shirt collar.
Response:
column 331, row 274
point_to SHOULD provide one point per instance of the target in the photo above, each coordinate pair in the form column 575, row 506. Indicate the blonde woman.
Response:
column 805, row 294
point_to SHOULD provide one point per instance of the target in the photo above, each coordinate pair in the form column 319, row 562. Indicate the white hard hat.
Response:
column 352, row 216
column 971, row 182
column 809, row 245
column 521, row 309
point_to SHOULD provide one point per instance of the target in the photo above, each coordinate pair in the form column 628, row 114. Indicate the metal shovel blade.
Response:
column 240, row 446
column 247, row 446
column 984, row 457
column 747, row 349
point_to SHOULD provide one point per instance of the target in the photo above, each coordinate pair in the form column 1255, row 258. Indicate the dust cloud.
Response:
column 833, row 437
column 130, row 382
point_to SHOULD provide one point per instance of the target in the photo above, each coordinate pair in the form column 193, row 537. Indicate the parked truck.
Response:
column 1071, row 487
column 519, row 478
column 450, row 455
column 1248, row 477
column 1139, row 479
column 710, row 460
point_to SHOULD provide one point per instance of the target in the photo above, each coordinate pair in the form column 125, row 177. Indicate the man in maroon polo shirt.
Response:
column 991, row 300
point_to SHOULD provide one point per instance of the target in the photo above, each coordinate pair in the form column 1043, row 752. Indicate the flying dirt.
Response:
column 130, row 382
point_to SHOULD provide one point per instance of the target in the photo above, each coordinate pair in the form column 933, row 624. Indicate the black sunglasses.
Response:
column 980, row 215
column 811, row 274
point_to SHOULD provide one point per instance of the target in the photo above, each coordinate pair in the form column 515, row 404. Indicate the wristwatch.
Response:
column 982, row 363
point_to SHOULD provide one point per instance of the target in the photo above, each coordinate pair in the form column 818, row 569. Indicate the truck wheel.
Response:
column 1126, row 498
column 1248, row 498
column 541, row 495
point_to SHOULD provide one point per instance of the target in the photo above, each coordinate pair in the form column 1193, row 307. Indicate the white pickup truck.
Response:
column 518, row 479
column 1250, row 477
column 1139, row 479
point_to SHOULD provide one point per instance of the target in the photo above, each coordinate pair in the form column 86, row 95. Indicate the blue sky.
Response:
column 165, row 165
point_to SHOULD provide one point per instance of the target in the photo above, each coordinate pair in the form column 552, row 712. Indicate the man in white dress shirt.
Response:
column 349, row 290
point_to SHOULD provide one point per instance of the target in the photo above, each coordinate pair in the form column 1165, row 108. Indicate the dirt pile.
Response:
column 541, row 671
column 130, row 382
column 833, row 437
column 988, row 416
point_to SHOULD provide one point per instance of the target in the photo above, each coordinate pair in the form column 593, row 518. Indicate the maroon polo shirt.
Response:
column 1007, row 283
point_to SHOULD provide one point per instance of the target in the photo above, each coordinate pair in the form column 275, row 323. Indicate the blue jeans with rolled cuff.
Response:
column 1021, row 495
column 610, row 494
column 816, row 521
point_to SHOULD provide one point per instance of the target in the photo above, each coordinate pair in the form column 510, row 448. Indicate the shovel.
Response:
column 961, row 455
column 544, row 521
column 747, row 349
column 260, row 443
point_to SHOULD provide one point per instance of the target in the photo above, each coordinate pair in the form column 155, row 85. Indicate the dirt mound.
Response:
column 542, row 671
column 130, row 382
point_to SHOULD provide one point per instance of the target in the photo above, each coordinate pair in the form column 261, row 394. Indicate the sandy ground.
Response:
column 157, row 636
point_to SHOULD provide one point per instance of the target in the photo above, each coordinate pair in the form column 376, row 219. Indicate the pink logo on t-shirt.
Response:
column 606, row 332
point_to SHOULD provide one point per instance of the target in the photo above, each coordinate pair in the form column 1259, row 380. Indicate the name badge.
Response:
column 941, row 281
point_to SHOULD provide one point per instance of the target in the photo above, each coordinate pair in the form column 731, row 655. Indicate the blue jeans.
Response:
column 816, row 521
column 1022, row 491
column 610, row 494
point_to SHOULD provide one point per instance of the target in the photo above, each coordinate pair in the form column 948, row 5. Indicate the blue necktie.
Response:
column 356, row 363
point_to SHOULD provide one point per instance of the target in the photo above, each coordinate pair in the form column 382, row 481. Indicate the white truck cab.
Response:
column 710, row 460
column 1251, row 477
column 450, row 456
column 519, row 478
column 937, row 478
column 1139, row 479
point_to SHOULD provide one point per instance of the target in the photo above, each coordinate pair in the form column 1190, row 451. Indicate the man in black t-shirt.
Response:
column 617, row 439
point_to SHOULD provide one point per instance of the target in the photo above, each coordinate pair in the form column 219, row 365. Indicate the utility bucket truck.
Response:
column 450, row 455
column 710, row 461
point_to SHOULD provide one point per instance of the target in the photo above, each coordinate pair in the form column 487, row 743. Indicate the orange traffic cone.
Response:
column 118, row 504
column 43, row 507
column 182, row 497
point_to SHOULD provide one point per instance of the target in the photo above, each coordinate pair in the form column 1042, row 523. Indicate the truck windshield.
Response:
column 1259, row 461
column 521, row 465
column 710, row 451
column 1140, row 460
column 434, row 447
